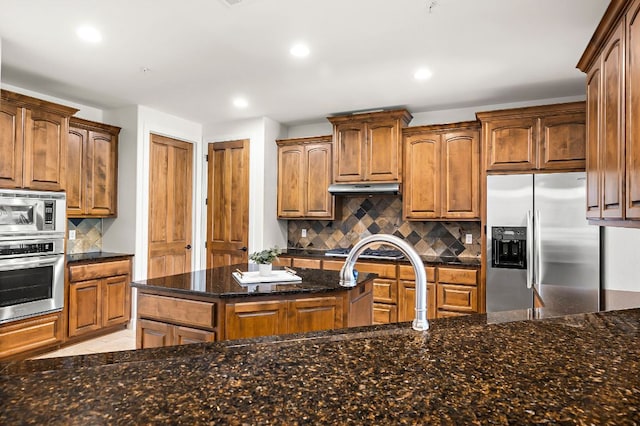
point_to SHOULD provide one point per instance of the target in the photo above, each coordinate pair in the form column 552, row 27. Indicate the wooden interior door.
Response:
column 228, row 203
column 170, row 203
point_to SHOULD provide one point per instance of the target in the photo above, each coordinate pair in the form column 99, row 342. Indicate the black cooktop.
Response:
column 390, row 254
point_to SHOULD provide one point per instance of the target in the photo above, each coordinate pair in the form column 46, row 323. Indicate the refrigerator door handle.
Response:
column 538, row 252
column 529, row 249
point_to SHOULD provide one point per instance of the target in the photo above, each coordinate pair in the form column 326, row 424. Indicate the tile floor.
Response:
column 118, row 341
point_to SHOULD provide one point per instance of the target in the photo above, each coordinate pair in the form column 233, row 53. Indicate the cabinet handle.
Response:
column 243, row 249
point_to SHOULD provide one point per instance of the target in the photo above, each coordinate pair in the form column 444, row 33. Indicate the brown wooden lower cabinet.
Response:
column 155, row 334
column 30, row 335
column 99, row 296
column 166, row 319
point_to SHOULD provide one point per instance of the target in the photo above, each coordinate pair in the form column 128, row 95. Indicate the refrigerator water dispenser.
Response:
column 509, row 247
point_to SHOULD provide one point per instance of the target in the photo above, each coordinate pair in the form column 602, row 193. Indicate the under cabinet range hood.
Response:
column 364, row 188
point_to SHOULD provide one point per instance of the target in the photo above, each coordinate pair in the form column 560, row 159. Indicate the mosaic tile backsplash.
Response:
column 363, row 216
column 88, row 236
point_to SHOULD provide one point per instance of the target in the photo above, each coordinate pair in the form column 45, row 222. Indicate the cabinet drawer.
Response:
column 384, row 314
column 306, row 263
column 180, row 311
column 385, row 291
column 332, row 265
column 457, row 276
column 459, row 298
column 384, row 270
column 29, row 334
column 92, row 271
column 282, row 261
column 405, row 272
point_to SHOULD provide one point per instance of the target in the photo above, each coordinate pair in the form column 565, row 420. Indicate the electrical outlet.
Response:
column 468, row 239
column 303, row 233
column 72, row 234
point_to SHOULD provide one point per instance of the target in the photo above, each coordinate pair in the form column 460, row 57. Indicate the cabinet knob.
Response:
column 243, row 249
column 188, row 247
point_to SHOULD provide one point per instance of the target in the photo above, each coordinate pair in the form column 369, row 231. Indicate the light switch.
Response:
column 468, row 239
column 303, row 233
column 72, row 234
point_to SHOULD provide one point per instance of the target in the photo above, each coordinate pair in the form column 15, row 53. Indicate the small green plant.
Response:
column 265, row 256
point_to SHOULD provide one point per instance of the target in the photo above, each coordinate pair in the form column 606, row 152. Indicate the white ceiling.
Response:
column 202, row 53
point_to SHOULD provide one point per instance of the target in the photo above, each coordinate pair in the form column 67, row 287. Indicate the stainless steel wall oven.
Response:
column 32, row 226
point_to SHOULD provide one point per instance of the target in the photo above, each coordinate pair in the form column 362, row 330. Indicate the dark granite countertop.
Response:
column 428, row 260
column 94, row 256
column 219, row 283
column 579, row 369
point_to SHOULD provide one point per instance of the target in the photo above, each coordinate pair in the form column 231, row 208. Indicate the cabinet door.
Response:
column 185, row 336
column 612, row 134
column 407, row 300
column 633, row 112
column 348, row 161
column 510, row 144
column 11, row 145
column 85, row 313
column 383, row 151
column 291, row 181
column 101, row 174
column 116, row 308
column 593, row 154
column 45, row 137
column 421, row 194
column 314, row 314
column 562, row 142
column 153, row 334
column 254, row 319
column 318, row 202
column 460, row 175
column 75, row 170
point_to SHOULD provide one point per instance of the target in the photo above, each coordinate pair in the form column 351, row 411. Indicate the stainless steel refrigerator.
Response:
column 539, row 242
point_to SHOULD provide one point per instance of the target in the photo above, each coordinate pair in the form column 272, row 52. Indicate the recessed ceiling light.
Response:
column 299, row 50
column 89, row 34
column 423, row 74
column 240, row 103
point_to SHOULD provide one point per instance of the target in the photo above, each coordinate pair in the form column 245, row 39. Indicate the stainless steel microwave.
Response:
column 28, row 213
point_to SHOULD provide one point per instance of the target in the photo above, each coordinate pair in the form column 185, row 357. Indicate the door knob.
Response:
column 243, row 249
column 188, row 247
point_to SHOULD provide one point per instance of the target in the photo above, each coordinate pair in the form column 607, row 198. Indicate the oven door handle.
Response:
column 31, row 262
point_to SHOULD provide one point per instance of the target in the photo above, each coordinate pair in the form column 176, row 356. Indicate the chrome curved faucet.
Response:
column 347, row 279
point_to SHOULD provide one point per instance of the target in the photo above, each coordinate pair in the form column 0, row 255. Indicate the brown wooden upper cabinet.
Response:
column 304, row 175
column 442, row 172
column 368, row 147
column 33, row 136
column 613, row 116
column 92, row 169
column 547, row 138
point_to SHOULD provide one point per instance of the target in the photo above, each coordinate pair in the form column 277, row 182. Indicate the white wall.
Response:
column 621, row 259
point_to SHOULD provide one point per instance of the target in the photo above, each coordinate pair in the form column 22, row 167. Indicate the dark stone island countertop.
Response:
column 428, row 260
column 219, row 283
column 579, row 369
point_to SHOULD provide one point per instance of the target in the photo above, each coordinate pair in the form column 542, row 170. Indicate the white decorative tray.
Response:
column 254, row 277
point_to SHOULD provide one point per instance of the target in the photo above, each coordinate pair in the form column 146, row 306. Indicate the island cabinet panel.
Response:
column 33, row 142
column 304, row 175
column 533, row 139
column 368, row 147
column 19, row 338
column 92, row 169
column 99, row 297
column 314, row 314
column 442, row 172
column 253, row 319
column 359, row 310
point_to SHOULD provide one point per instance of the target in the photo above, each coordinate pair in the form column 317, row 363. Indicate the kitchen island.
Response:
column 578, row 369
column 211, row 305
